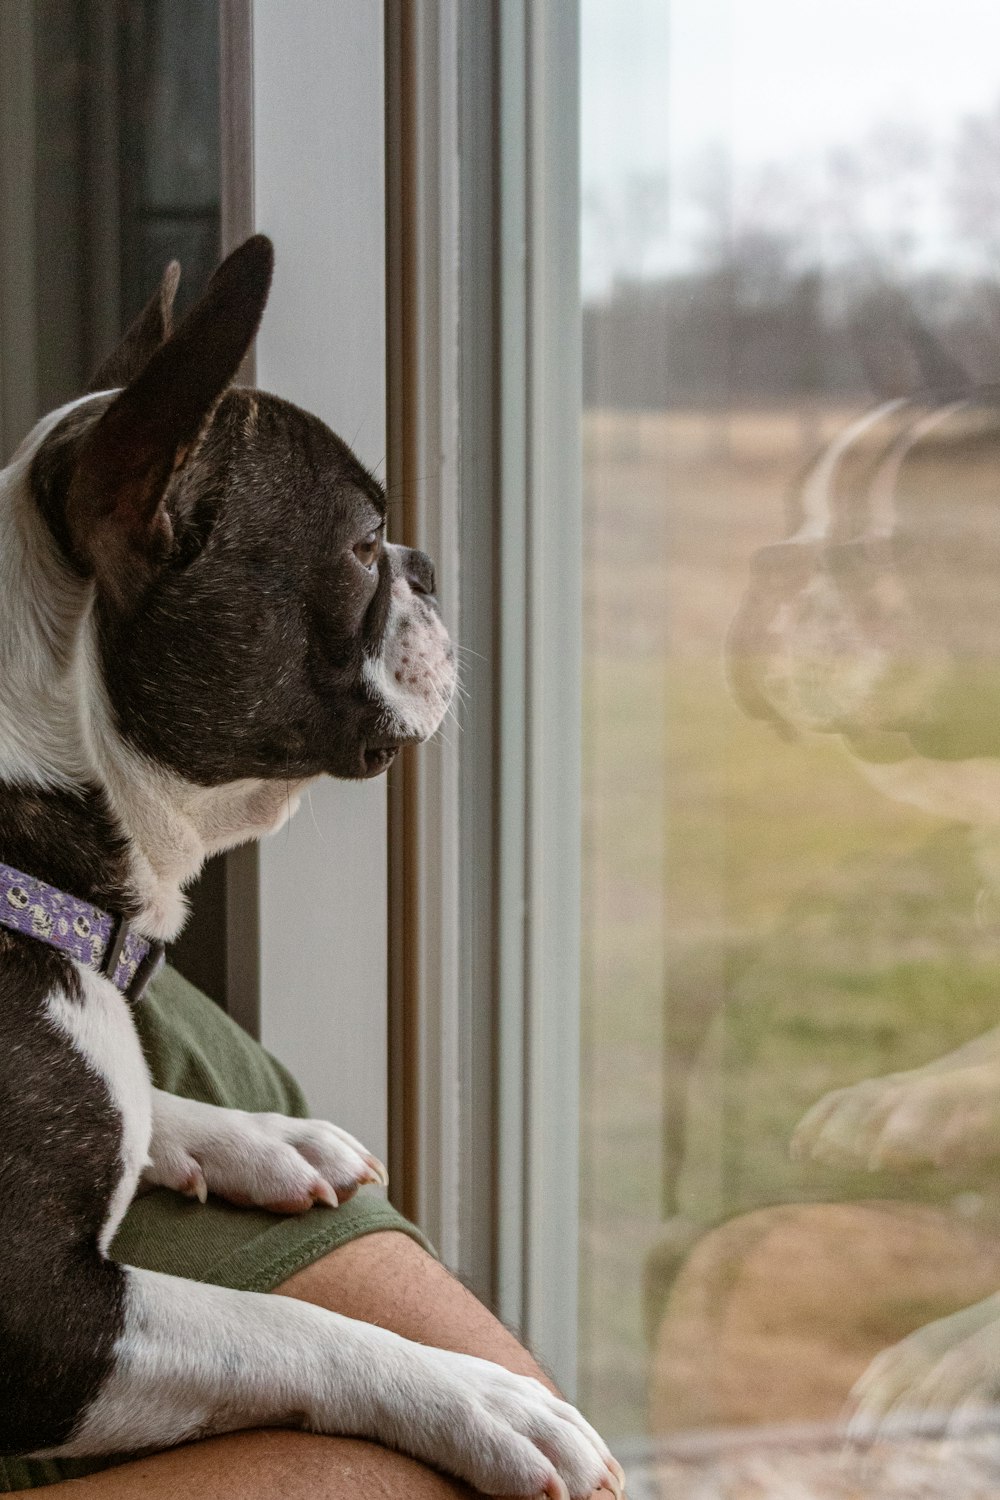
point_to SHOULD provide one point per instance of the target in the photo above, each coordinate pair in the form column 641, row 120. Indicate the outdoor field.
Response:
column 761, row 925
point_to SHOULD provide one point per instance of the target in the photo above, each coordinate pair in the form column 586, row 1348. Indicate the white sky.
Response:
column 771, row 81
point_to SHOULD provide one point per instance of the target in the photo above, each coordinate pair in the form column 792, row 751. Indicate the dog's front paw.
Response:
column 936, row 1378
column 268, row 1160
column 504, row 1434
column 907, row 1119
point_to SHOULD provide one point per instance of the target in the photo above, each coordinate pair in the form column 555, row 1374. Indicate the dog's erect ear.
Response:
column 115, row 511
column 142, row 338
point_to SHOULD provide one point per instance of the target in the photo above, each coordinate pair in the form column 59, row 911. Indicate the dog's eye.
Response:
column 367, row 551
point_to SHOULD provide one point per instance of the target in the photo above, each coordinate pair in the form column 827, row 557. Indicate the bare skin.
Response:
column 383, row 1278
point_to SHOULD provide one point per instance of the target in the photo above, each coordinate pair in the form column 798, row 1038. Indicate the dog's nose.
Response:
column 418, row 571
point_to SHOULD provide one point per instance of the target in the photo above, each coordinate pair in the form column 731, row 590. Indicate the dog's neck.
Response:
column 79, row 807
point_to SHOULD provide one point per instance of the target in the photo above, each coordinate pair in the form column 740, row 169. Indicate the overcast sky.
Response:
column 771, row 81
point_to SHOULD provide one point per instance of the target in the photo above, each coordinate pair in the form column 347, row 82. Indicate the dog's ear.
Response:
column 118, row 522
column 142, row 338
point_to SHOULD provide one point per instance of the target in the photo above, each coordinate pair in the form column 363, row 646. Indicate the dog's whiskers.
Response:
column 468, row 651
column 394, row 489
column 449, row 744
column 312, row 814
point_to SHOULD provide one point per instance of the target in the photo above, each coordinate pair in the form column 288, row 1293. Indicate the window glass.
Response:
column 109, row 167
column 169, row 151
column 791, row 1080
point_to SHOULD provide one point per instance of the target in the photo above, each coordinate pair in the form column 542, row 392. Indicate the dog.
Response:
column 201, row 615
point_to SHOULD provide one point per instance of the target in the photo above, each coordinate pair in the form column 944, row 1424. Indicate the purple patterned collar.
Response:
column 101, row 942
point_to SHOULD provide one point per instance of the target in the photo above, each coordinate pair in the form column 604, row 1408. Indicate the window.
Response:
column 110, row 135
column 790, row 739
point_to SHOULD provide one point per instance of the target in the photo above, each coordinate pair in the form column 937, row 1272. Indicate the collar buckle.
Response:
column 147, row 970
column 113, row 952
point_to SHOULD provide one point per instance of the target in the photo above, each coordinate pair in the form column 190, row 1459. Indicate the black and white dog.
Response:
column 200, row 614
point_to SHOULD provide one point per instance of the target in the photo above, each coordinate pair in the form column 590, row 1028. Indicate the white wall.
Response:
column 319, row 193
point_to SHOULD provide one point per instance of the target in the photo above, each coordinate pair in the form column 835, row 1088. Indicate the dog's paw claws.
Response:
column 615, row 1481
column 379, row 1175
column 323, row 1193
column 195, row 1185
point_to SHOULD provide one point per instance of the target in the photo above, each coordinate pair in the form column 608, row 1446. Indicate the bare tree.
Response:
column 623, row 226
column 974, row 190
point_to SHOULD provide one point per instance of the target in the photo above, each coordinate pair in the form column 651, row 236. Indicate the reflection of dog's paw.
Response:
column 938, row 1377
column 906, row 1119
column 265, row 1159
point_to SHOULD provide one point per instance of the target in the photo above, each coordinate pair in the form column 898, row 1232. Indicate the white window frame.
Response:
column 485, row 408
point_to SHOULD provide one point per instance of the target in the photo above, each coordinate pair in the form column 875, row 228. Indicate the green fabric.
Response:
column 195, row 1050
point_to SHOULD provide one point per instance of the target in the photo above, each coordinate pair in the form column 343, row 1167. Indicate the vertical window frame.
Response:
column 484, row 378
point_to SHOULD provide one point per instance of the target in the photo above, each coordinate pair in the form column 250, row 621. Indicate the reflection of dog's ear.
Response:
column 118, row 522
column 142, row 338
column 939, row 369
column 899, row 352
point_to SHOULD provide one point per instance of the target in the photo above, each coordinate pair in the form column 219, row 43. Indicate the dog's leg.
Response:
column 195, row 1360
column 267, row 1159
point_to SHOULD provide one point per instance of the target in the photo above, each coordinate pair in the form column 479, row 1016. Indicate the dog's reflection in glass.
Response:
column 878, row 619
